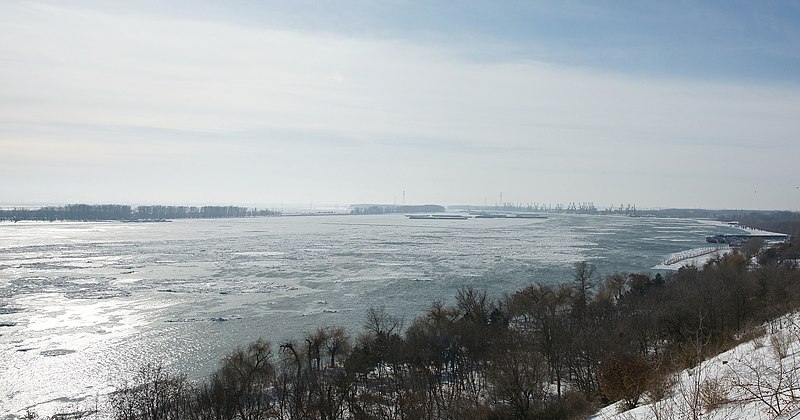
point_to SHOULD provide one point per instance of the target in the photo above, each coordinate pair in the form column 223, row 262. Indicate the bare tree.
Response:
column 337, row 344
column 583, row 282
column 380, row 322
column 243, row 382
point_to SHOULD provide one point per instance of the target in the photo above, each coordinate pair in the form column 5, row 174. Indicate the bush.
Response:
column 779, row 343
column 572, row 405
column 713, row 394
column 661, row 384
column 154, row 394
column 625, row 377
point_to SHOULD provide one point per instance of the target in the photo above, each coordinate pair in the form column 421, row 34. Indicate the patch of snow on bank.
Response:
column 696, row 257
column 750, row 230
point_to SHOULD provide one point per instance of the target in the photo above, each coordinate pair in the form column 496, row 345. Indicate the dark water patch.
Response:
column 44, row 266
column 96, row 294
column 212, row 319
column 184, row 320
column 7, row 324
column 7, row 310
column 56, row 352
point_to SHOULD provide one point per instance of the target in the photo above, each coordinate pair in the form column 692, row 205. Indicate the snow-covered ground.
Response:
column 748, row 230
column 758, row 379
column 754, row 231
column 696, row 257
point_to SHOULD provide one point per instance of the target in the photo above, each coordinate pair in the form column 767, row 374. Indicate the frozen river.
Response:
column 83, row 305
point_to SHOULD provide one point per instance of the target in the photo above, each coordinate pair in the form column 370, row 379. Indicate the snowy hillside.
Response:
column 758, row 379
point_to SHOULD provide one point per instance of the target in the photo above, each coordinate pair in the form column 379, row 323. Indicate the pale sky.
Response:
column 658, row 104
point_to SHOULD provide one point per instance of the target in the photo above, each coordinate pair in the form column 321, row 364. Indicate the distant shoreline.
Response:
column 768, row 221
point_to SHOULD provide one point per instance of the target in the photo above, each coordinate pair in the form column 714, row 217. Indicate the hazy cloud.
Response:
column 162, row 107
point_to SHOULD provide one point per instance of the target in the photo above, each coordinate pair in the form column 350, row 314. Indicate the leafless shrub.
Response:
column 751, row 333
column 757, row 343
column 572, row 405
column 689, row 401
column 713, row 394
column 154, row 393
column 662, row 410
column 625, row 377
column 779, row 344
column 660, row 386
column 775, row 384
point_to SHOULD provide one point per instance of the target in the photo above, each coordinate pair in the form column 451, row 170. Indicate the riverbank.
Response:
column 696, row 257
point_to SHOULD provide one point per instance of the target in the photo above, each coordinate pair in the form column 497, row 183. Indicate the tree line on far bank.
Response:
column 99, row 212
column 777, row 221
column 546, row 351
